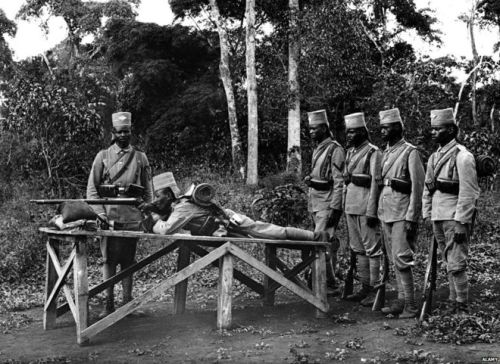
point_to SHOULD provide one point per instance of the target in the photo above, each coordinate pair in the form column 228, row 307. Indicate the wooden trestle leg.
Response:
column 81, row 289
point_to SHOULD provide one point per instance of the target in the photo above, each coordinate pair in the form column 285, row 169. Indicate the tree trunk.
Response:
column 225, row 74
column 294, row 159
column 475, row 60
column 253, row 130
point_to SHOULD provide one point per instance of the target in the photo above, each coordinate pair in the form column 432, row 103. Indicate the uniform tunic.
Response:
column 361, row 202
column 445, row 209
column 401, row 160
column 107, row 164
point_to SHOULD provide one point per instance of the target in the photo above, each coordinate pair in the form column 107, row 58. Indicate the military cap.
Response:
column 121, row 118
column 165, row 180
column 442, row 117
column 390, row 116
column 356, row 120
column 317, row 117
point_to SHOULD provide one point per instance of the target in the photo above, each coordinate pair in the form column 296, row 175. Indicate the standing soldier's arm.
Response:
column 147, row 180
column 376, row 173
column 468, row 188
column 95, row 179
column 417, row 176
column 338, row 160
column 426, row 195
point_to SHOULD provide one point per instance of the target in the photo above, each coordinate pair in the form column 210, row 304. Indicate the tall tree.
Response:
column 253, row 128
column 7, row 27
column 294, row 158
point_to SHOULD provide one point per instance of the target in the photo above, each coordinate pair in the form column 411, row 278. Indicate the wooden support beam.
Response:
column 81, row 289
column 293, row 272
column 50, row 312
column 319, row 280
column 63, row 274
column 181, row 288
column 270, row 259
column 283, row 268
column 320, row 303
column 243, row 278
column 225, row 287
column 154, row 292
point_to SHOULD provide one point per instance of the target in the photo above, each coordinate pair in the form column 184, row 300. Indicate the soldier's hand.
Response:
column 371, row 221
column 460, row 235
column 103, row 221
column 411, row 229
column 334, row 218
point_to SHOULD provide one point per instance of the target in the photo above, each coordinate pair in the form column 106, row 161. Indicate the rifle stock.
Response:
column 379, row 301
column 349, row 281
column 429, row 281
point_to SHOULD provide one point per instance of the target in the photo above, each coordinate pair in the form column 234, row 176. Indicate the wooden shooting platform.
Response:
column 222, row 256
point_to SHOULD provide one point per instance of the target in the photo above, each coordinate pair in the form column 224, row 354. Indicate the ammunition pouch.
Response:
column 431, row 186
column 448, row 186
column 399, row 185
column 110, row 191
column 203, row 226
column 361, row 180
column 320, row 185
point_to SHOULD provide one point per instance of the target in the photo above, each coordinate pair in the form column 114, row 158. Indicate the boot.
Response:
column 395, row 308
column 359, row 295
column 108, row 308
column 409, row 312
column 462, row 309
column 449, row 308
column 369, row 299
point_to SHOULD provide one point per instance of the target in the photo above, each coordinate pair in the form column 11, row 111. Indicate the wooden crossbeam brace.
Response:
column 299, row 291
column 70, row 305
column 243, row 278
column 61, row 272
column 154, row 292
column 171, row 245
column 291, row 273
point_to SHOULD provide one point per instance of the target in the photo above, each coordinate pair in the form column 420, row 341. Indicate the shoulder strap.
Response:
column 366, row 167
column 350, row 166
column 124, row 167
column 325, row 167
column 453, row 163
column 402, row 156
column 441, row 162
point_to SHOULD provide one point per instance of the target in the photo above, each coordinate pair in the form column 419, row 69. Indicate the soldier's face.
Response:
column 318, row 132
column 390, row 132
column 355, row 136
column 440, row 134
column 122, row 136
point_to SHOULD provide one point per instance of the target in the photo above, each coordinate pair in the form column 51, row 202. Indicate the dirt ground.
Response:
column 285, row 333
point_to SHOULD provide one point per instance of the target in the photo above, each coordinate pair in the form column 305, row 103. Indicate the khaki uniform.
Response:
column 361, row 202
column 445, row 208
column 107, row 164
column 327, row 164
column 401, row 161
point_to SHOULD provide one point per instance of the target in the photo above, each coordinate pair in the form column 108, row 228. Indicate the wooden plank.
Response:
column 319, row 280
column 81, row 289
column 186, row 237
column 225, row 288
column 63, row 274
column 283, row 268
column 51, row 274
column 243, row 278
column 296, row 270
column 299, row 291
column 154, row 292
column 270, row 258
column 181, row 287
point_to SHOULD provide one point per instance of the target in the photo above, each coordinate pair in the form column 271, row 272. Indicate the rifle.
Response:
column 379, row 301
column 349, row 281
column 429, row 281
column 98, row 201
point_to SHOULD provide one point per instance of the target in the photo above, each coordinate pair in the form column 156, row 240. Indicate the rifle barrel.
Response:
column 99, row 201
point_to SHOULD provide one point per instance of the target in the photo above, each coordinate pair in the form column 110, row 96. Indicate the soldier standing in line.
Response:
column 326, row 187
column 119, row 166
column 449, row 201
column 362, row 176
column 399, row 208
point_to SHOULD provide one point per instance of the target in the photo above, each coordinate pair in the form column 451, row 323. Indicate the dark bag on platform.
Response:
column 76, row 210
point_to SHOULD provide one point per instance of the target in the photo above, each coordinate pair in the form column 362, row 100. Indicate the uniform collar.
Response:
column 399, row 143
column 361, row 146
column 325, row 141
column 117, row 149
column 447, row 147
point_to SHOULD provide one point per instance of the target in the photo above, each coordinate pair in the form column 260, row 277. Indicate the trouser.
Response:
column 320, row 219
column 400, row 251
column 455, row 257
column 365, row 242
